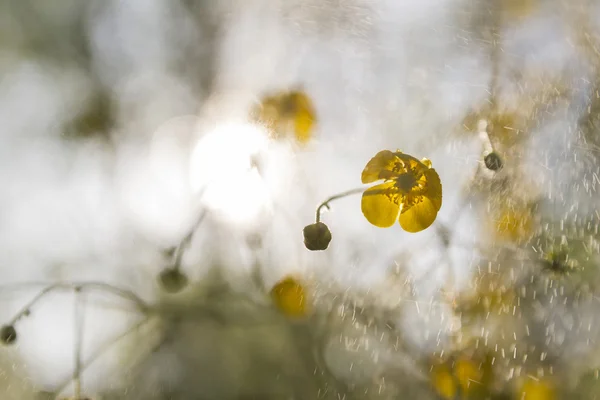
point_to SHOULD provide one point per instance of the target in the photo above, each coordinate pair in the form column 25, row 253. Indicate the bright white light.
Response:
column 225, row 172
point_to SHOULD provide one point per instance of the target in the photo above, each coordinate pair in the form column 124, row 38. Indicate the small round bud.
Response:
column 8, row 334
column 172, row 280
column 316, row 236
column 493, row 161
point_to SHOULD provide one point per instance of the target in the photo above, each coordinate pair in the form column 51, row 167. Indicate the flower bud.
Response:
column 172, row 280
column 8, row 334
column 316, row 236
column 493, row 161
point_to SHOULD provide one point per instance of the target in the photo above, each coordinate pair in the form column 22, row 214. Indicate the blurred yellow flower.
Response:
column 290, row 297
column 411, row 192
column 443, row 381
column 288, row 112
column 514, row 223
column 537, row 389
column 499, row 300
column 462, row 378
column 519, row 8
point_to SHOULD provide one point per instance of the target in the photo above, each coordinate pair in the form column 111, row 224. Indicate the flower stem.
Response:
column 102, row 349
column 335, row 197
column 184, row 244
column 80, row 286
column 79, row 323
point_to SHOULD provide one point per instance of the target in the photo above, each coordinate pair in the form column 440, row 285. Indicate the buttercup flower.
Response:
column 465, row 377
column 290, row 297
column 291, row 111
column 537, row 389
column 411, row 192
column 443, row 381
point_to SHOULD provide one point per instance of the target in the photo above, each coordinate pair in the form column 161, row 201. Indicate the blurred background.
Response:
column 159, row 160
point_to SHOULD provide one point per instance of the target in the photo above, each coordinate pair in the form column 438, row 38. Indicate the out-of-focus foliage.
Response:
column 102, row 102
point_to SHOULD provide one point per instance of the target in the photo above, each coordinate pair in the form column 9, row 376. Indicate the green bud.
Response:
column 172, row 280
column 8, row 334
column 493, row 161
column 316, row 236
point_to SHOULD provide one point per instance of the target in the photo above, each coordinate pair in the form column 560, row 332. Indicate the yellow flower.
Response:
column 411, row 192
column 519, row 8
column 464, row 378
column 291, row 111
column 444, row 382
column 514, row 223
column 468, row 374
column 537, row 389
column 290, row 297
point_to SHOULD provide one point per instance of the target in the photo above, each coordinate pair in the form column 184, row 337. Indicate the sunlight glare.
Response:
column 224, row 171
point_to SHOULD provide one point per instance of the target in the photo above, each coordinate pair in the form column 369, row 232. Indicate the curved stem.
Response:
column 185, row 243
column 80, row 286
column 335, row 197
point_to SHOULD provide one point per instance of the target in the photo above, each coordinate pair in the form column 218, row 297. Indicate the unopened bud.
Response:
column 316, row 236
column 172, row 280
column 8, row 334
column 493, row 161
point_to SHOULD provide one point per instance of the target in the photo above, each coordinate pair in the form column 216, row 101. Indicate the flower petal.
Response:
column 411, row 162
column 381, row 204
column 385, row 165
column 433, row 188
column 303, row 124
column 443, row 381
column 419, row 216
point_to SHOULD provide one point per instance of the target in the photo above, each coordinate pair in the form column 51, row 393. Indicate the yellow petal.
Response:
column 289, row 296
column 385, row 165
column 444, row 382
column 381, row 204
column 303, row 123
column 418, row 216
column 426, row 162
column 433, row 188
column 467, row 373
column 537, row 390
column 411, row 162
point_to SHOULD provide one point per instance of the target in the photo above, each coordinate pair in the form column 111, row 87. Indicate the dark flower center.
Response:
column 406, row 182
